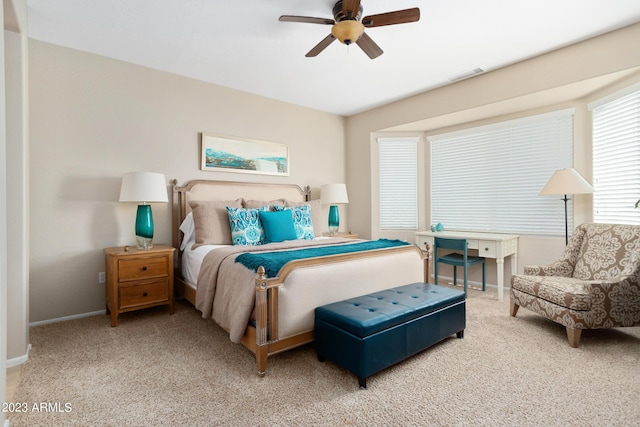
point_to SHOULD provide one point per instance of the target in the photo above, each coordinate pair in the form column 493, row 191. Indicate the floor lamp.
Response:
column 563, row 182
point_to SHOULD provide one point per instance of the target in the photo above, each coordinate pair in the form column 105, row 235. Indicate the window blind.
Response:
column 488, row 178
column 398, row 183
column 616, row 160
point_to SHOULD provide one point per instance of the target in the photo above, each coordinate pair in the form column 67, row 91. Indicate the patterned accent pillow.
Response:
column 246, row 227
column 316, row 213
column 301, row 220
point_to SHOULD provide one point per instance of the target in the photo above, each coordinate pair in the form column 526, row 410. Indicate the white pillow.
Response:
column 189, row 229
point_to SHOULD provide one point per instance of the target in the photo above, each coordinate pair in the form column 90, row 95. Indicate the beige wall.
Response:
column 559, row 79
column 93, row 119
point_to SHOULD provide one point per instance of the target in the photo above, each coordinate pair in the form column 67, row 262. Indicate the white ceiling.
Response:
column 241, row 44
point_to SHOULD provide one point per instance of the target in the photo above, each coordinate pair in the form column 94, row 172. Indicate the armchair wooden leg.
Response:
column 574, row 336
column 514, row 309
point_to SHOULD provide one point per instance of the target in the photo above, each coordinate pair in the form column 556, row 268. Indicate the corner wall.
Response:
column 18, row 195
column 3, row 231
column 14, row 329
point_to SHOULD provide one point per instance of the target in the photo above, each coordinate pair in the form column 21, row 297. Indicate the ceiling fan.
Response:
column 348, row 27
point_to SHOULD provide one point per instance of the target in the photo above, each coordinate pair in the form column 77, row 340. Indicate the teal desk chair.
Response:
column 455, row 259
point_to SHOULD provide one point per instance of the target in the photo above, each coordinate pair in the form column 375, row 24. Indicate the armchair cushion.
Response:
column 565, row 291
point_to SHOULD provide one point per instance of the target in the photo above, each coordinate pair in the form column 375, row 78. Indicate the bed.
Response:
column 272, row 312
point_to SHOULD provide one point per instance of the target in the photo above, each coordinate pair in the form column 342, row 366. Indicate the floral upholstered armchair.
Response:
column 594, row 285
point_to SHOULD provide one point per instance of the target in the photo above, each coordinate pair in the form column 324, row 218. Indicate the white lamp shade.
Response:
column 143, row 187
column 566, row 181
column 332, row 194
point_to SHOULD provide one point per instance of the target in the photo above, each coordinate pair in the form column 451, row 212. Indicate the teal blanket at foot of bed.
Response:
column 273, row 261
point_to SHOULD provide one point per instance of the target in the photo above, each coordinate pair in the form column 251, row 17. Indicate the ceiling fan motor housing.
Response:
column 338, row 15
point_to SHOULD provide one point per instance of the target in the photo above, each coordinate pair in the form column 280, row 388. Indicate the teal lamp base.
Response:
column 144, row 227
column 334, row 219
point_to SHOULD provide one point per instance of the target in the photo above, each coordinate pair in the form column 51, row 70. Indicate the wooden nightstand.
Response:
column 347, row 235
column 137, row 279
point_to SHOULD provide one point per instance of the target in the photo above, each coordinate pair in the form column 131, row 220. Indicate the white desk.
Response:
column 489, row 245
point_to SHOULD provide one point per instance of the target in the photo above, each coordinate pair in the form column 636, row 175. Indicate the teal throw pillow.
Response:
column 301, row 220
column 246, row 227
column 278, row 226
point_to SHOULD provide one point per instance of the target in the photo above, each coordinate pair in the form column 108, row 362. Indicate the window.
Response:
column 398, row 185
column 616, row 158
column 488, row 178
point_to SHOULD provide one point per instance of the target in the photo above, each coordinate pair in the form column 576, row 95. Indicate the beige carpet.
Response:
column 181, row 370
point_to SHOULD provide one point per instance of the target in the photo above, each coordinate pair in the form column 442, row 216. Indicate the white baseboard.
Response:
column 65, row 318
column 19, row 360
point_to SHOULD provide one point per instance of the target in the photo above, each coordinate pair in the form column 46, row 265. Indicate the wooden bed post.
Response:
column 262, row 321
column 266, row 317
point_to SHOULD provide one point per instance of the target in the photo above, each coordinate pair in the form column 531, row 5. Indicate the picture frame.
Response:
column 222, row 153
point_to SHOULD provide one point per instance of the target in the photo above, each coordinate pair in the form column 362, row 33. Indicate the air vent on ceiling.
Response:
column 466, row 74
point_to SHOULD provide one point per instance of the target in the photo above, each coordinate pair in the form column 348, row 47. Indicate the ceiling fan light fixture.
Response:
column 348, row 31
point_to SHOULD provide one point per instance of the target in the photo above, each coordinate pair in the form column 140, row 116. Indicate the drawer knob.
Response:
column 144, row 294
column 486, row 249
column 144, row 268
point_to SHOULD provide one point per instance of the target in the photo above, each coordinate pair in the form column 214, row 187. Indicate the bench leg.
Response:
column 460, row 334
column 362, row 381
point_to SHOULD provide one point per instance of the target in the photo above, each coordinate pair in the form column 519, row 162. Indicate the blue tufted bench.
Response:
column 369, row 333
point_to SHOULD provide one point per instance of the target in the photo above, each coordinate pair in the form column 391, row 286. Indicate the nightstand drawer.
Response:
column 143, row 294
column 142, row 268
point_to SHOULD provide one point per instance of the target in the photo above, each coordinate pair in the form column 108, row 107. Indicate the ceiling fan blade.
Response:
column 391, row 18
column 369, row 46
column 307, row 19
column 350, row 8
column 320, row 46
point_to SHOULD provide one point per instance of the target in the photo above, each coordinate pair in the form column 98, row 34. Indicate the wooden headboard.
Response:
column 226, row 190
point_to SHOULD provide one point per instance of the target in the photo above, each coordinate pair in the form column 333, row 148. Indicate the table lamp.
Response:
column 144, row 188
column 334, row 194
column 563, row 182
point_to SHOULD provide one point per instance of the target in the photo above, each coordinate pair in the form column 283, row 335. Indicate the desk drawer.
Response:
column 487, row 248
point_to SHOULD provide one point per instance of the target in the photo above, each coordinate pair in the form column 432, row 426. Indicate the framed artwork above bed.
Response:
column 231, row 154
